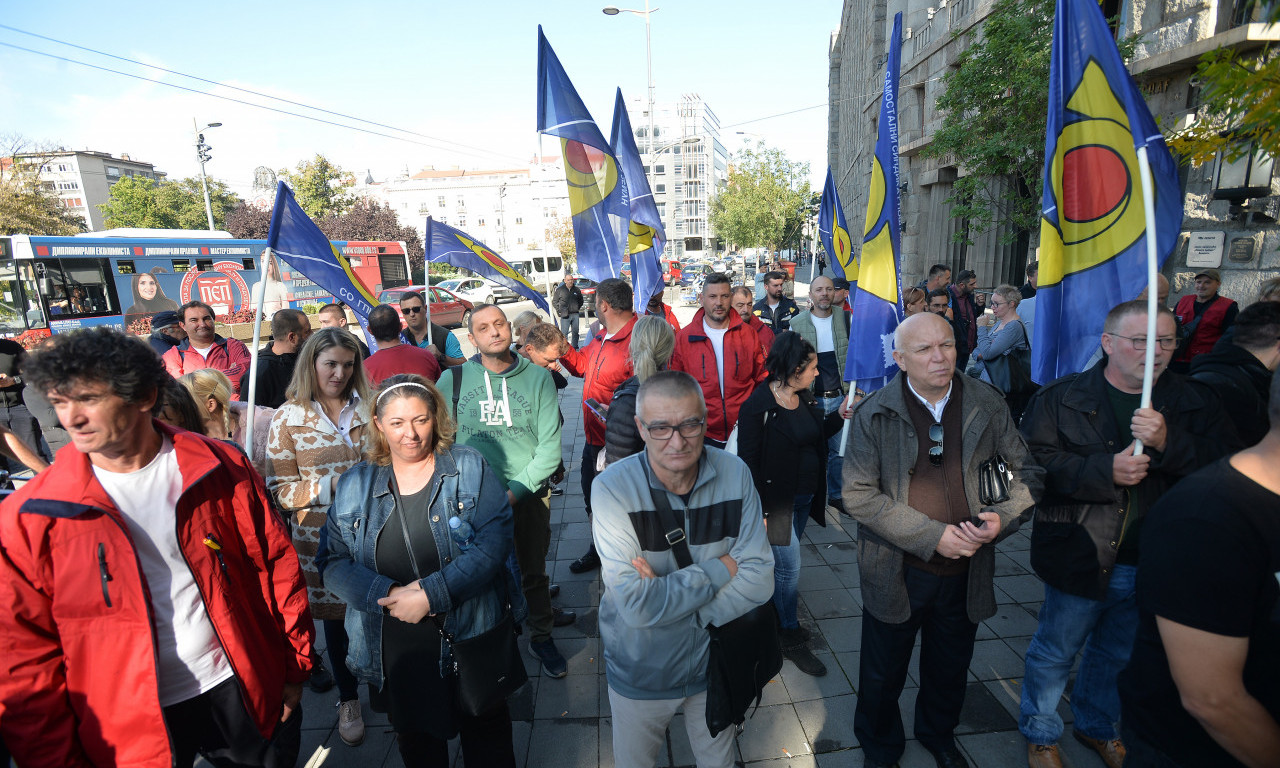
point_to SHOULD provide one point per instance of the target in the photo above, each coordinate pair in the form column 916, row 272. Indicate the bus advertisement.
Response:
column 64, row 283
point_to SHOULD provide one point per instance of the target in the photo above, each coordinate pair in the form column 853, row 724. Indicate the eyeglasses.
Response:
column 1140, row 342
column 993, row 303
column 411, row 310
column 935, row 453
column 691, row 428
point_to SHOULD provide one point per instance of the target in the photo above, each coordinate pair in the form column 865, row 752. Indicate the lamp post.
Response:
column 613, row 10
column 202, row 154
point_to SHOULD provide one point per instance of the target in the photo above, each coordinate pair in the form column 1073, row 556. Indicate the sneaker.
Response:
column 553, row 664
column 321, row 679
column 557, row 490
column 562, row 618
column 588, row 562
column 350, row 723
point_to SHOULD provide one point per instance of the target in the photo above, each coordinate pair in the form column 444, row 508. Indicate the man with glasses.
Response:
column 926, row 543
column 653, row 613
column 413, row 307
column 1085, row 543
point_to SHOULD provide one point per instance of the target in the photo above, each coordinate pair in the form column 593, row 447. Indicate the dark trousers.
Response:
column 569, row 327
column 589, row 454
column 216, row 725
column 532, row 540
column 21, row 423
column 946, row 647
column 486, row 741
column 1142, row 753
column 335, row 637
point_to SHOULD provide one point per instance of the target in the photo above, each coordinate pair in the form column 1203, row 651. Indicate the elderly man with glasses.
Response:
column 1085, row 543
column 926, row 543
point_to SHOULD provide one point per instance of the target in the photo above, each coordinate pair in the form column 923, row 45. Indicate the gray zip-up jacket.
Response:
column 654, row 630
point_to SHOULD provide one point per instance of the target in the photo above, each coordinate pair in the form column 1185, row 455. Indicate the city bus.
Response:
column 58, row 284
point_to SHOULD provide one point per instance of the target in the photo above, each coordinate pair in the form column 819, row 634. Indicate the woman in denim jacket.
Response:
column 419, row 531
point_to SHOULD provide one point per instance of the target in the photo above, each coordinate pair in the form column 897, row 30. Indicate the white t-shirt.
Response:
column 190, row 660
column 822, row 325
column 204, row 353
column 716, row 335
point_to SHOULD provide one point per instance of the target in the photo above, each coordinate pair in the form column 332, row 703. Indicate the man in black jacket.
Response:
column 13, row 409
column 776, row 309
column 1240, row 369
column 567, row 302
column 1085, row 543
column 289, row 330
column 166, row 331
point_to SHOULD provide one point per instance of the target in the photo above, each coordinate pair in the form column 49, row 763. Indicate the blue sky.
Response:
column 460, row 72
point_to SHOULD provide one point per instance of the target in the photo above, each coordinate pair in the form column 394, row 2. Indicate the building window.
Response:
column 479, row 222
column 440, row 201
column 660, row 169
column 112, row 171
column 462, row 221
column 660, row 188
column 519, row 241
column 63, row 167
column 519, row 220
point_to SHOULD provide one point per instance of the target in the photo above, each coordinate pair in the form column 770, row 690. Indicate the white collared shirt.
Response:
column 934, row 410
column 345, row 416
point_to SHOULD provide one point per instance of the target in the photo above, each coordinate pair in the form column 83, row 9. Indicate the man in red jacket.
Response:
column 204, row 349
column 603, row 365
column 153, row 605
column 657, row 306
column 743, row 304
column 1202, row 317
column 723, row 354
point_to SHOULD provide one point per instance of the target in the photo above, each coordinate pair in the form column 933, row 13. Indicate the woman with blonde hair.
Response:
column 226, row 419
column 652, row 343
column 436, row 572
column 1002, row 344
column 315, row 437
column 913, row 300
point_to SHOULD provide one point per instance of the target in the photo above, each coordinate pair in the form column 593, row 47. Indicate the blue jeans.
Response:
column 569, row 327
column 786, row 566
column 835, row 462
column 1105, row 630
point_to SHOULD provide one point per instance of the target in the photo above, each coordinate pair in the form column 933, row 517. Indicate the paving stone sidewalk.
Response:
column 802, row 721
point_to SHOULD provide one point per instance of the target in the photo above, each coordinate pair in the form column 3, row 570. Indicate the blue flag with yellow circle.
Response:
column 646, row 236
column 877, row 299
column 454, row 247
column 598, row 198
column 834, row 232
column 1093, row 252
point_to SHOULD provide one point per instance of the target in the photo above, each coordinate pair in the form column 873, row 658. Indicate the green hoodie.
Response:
column 512, row 418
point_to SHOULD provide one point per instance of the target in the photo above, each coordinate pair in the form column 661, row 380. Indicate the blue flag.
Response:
column 835, row 233
column 296, row 239
column 598, row 197
column 453, row 246
column 877, row 299
column 1093, row 228
column 646, row 236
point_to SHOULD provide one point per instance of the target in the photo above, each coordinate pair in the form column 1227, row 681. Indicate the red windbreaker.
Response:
column 764, row 332
column 603, row 365
column 743, row 369
column 230, row 356
column 669, row 316
column 78, row 680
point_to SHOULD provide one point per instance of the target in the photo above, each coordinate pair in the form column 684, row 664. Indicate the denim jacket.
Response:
column 474, row 583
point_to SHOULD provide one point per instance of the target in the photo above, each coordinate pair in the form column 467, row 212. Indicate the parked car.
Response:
column 588, row 288
column 446, row 308
column 479, row 290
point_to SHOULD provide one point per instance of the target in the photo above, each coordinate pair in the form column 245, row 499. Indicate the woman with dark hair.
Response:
column 782, row 437
column 315, row 437
column 416, row 544
column 148, row 298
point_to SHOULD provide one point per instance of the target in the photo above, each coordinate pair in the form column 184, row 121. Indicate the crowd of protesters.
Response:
column 166, row 576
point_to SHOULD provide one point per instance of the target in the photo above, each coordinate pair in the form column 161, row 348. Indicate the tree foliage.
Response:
column 322, row 188
column 562, row 239
column 137, row 201
column 370, row 220
column 1240, row 95
column 248, row 222
column 26, row 207
column 765, row 200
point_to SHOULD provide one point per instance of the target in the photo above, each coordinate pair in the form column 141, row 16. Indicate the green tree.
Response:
column 765, row 200
column 561, row 236
column 1241, row 103
column 140, row 202
column 27, row 207
column 321, row 187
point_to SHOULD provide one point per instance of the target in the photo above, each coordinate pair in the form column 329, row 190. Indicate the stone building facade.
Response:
column 1174, row 34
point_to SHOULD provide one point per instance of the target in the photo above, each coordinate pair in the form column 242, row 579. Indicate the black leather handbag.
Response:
column 994, row 479
column 745, row 653
column 487, row 668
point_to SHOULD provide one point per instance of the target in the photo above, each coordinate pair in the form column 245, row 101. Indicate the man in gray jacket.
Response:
column 654, row 614
column 911, row 482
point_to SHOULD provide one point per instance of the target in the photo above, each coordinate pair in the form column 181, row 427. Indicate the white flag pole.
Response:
column 1148, row 204
column 257, row 297
column 426, row 278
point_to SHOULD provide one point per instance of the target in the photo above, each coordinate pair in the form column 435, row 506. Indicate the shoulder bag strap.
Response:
column 675, row 534
column 457, row 390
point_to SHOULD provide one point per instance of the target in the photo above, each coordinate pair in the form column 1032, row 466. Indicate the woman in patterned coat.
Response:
column 315, row 437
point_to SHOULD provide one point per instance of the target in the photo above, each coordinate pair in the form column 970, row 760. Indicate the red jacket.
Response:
column 743, row 369
column 669, row 315
column 763, row 331
column 1213, row 323
column 603, row 365
column 77, row 652
column 230, row 356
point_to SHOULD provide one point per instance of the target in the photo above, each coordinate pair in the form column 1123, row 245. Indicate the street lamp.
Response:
column 202, row 154
column 613, row 10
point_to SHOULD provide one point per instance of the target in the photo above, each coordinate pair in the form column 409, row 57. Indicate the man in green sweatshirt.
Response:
column 506, row 409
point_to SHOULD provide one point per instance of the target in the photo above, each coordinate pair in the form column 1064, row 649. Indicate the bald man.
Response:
column 926, row 543
column 826, row 327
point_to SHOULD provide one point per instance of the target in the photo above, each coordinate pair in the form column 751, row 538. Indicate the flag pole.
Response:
column 258, row 296
column 546, row 260
column 426, row 278
column 1149, row 206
